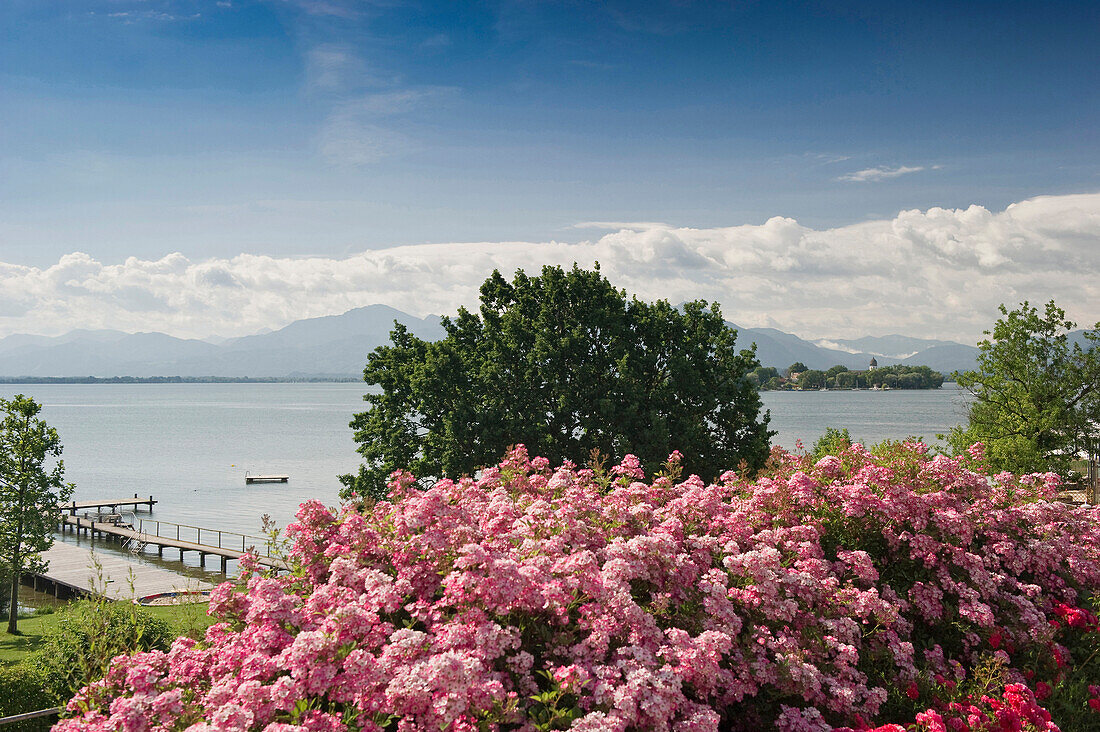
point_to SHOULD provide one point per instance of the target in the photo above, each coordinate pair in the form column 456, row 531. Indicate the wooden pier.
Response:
column 71, row 570
column 149, row 533
column 114, row 505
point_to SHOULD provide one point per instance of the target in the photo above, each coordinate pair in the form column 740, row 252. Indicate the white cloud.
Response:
column 881, row 173
column 347, row 141
column 330, row 68
column 938, row 273
column 134, row 16
column 362, row 130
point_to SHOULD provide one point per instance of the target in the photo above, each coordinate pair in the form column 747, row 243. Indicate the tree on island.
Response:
column 761, row 375
column 896, row 377
column 812, row 379
column 1036, row 397
column 30, row 491
column 565, row 364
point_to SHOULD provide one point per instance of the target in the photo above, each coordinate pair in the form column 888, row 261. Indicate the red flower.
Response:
column 1042, row 690
column 1095, row 704
column 912, row 691
column 995, row 639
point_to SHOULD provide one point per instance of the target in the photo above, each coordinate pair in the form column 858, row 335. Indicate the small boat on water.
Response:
column 265, row 478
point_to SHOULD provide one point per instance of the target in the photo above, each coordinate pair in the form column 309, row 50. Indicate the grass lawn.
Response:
column 14, row 648
column 188, row 619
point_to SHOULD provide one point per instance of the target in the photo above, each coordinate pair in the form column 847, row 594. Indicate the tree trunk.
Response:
column 13, row 606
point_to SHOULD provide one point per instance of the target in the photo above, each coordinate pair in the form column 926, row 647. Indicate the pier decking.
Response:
column 136, row 501
column 72, row 568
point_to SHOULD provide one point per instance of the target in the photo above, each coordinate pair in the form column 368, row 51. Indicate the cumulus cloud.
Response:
column 881, row 173
column 938, row 273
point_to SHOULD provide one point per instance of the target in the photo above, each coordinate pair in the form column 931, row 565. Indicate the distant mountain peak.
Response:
column 335, row 345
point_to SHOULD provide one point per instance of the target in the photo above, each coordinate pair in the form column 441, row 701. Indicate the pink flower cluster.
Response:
column 1014, row 710
column 530, row 598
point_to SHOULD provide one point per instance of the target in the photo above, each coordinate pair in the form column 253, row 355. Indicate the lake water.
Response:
column 870, row 416
column 189, row 445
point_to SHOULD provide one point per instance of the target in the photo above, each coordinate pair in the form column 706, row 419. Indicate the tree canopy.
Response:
column 566, row 364
column 1035, row 393
column 811, row 379
column 30, row 491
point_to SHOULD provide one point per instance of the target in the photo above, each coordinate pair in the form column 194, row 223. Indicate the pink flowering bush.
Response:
column 893, row 592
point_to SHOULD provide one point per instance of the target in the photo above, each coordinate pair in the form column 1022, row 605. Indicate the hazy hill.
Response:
column 338, row 345
column 333, row 346
column 889, row 346
column 946, row 358
column 779, row 349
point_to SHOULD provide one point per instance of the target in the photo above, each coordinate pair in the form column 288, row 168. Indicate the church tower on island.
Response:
column 873, row 364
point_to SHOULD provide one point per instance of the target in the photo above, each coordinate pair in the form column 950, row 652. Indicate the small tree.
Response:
column 833, row 442
column 566, row 364
column 1036, row 394
column 30, row 491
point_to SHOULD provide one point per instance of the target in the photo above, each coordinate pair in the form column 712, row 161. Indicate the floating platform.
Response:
column 266, row 478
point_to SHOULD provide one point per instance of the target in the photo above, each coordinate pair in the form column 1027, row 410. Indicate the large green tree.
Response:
column 566, row 364
column 1036, row 398
column 30, row 491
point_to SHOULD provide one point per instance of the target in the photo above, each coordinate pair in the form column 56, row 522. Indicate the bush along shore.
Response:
column 889, row 591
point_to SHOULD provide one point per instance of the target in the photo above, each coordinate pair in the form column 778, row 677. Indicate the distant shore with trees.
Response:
column 797, row 377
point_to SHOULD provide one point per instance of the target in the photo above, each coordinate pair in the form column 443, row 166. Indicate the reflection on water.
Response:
column 31, row 599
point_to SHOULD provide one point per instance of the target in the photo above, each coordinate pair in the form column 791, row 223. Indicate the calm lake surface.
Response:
column 189, row 445
column 869, row 416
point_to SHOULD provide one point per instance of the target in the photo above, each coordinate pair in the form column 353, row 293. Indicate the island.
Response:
column 799, row 378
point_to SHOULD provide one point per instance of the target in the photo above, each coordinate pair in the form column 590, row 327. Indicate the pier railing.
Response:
column 186, row 532
column 40, row 720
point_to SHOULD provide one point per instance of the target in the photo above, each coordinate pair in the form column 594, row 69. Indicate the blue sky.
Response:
column 293, row 129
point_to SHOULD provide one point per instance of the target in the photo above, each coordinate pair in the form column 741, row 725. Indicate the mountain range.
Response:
column 338, row 345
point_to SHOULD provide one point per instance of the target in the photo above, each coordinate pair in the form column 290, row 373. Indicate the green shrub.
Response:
column 832, row 442
column 23, row 689
column 88, row 634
